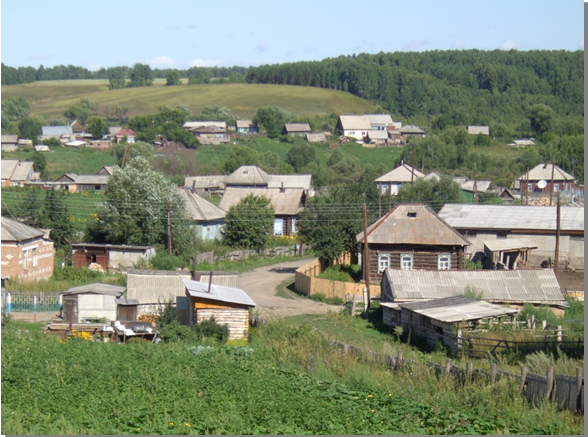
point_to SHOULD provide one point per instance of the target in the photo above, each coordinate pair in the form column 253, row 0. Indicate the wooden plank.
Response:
column 536, row 388
column 566, row 396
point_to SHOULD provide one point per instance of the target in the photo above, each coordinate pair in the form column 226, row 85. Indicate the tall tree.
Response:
column 140, row 75
column 172, row 78
column 97, row 127
column 249, row 223
column 57, row 218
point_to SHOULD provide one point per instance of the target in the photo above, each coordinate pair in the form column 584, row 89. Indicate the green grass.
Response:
column 246, row 265
column 286, row 289
column 52, row 98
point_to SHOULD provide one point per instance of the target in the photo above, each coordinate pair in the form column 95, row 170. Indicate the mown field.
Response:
column 51, row 98
column 288, row 380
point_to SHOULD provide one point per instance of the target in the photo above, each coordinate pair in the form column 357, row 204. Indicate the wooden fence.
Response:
column 307, row 282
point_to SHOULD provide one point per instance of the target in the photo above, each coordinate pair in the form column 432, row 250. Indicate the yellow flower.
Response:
column 187, row 424
column 171, row 423
column 372, row 411
column 370, row 396
column 138, row 429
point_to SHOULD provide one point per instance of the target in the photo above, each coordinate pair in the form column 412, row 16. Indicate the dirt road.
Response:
column 260, row 284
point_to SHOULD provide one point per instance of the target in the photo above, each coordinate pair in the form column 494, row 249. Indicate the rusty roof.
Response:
column 413, row 224
column 538, row 286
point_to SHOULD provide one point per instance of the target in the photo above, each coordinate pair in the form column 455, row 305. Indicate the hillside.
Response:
column 52, row 98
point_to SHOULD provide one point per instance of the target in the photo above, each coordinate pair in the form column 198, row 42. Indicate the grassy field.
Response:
column 288, row 380
column 52, row 98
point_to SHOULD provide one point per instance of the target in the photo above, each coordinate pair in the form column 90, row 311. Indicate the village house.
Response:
column 377, row 137
column 412, row 236
column 130, row 134
column 209, row 219
column 189, row 125
column 206, row 186
column 395, row 178
column 15, row 173
column 55, row 132
column 246, row 127
column 412, row 131
column 506, row 287
column 316, row 138
column 109, row 256
column 107, row 170
column 296, row 129
column 539, row 180
column 380, row 121
column 227, row 305
column 303, row 181
column 287, row 204
column 9, row 143
column 479, row 130
column 27, row 253
column 211, row 134
column 353, row 126
column 247, row 176
column 482, row 223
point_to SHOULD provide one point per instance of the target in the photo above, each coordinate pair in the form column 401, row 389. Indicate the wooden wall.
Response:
column 237, row 320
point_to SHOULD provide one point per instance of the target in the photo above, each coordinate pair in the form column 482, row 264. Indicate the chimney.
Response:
column 282, row 189
column 194, row 186
column 210, row 282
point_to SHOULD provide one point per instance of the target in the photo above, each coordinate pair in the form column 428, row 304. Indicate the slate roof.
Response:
column 398, row 227
column 316, row 138
column 56, row 130
column 9, row 139
column 244, row 124
column 97, row 288
column 92, row 179
column 15, row 231
column 481, row 186
column 208, row 129
column 297, row 127
column 249, row 175
column 200, row 209
column 379, row 119
column 285, row 202
column 508, row 217
column 211, row 181
column 402, row 173
column 377, row 134
column 543, row 171
column 538, row 286
column 218, row 293
column 290, row 181
column 411, row 129
column 354, row 122
column 16, row 170
column 196, row 124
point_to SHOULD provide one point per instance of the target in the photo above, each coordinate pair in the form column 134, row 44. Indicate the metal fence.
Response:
column 19, row 302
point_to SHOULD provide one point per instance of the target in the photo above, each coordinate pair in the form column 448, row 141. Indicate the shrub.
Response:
column 338, row 272
column 175, row 331
column 167, row 314
column 210, row 329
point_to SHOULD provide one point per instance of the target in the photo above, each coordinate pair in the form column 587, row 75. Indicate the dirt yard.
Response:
column 571, row 281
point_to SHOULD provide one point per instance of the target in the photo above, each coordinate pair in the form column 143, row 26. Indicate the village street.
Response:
column 260, row 284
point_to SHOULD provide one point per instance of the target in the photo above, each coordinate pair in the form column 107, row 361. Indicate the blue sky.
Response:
column 181, row 33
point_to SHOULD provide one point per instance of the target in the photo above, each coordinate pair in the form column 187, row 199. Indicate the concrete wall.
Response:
column 127, row 258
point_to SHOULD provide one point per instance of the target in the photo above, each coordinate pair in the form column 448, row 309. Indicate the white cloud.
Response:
column 205, row 62
column 416, row 44
column 457, row 45
column 510, row 44
column 262, row 47
column 162, row 62
column 581, row 44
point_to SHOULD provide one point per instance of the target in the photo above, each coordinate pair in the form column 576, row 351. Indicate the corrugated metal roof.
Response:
column 97, row 288
column 534, row 286
column 379, row 119
column 462, row 216
column 509, row 244
column 217, row 292
column 354, row 122
column 286, row 202
column 15, row 231
column 297, row 127
column 290, row 181
column 402, row 173
column 200, row 209
column 56, row 130
column 211, row 181
column 248, row 175
column 475, row 130
column 543, row 171
column 457, row 308
column 425, row 227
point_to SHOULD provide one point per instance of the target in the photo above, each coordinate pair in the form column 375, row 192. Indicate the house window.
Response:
column 383, row 262
column 406, row 261
column 35, row 257
column 279, row 226
column 444, row 261
column 293, row 225
column 529, row 187
column 351, row 134
column 556, row 187
column 25, row 258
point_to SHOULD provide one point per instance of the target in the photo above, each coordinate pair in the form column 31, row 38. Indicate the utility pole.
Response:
column 552, row 175
column 527, row 187
column 169, row 236
column 379, row 200
column 366, row 255
column 412, row 171
column 557, row 232
column 475, row 184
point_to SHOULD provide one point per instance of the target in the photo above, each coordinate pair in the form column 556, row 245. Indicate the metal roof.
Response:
column 402, row 173
column 56, row 130
column 92, row 179
column 211, row 181
column 354, row 122
column 217, row 292
column 297, row 127
column 97, row 288
column 425, row 227
column 200, row 209
column 509, row 244
column 534, row 286
column 411, row 129
column 382, row 119
column 286, row 202
column 15, row 231
column 290, row 181
column 463, row 216
column 475, row 130
column 248, row 175
column 543, row 171
column 457, row 308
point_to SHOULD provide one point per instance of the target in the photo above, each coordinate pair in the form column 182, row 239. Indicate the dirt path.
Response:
column 260, row 284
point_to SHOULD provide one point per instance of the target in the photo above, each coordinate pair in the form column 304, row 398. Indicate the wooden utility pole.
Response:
column 389, row 196
column 527, row 187
column 169, row 236
column 557, row 232
column 125, row 156
column 412, row 171
column 475, row 184
column 366, row 255
column 379, row 200
column 552, row 176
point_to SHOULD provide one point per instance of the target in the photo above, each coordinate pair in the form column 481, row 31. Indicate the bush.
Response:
column 342, row 273
column 163, row 261
column 167, row 315
column 210, row 329
column 320, row 297
column 175, row 331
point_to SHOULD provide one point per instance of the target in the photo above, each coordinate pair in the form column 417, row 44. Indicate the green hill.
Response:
column 52, row 98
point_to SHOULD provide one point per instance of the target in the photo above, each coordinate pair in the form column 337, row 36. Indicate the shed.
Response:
column 439, row 320
column 91, row 302
column 300, row 129
column 126, row 309
column 479, row 130
column 109, row 255
column 227, row 305
column 316, row 138
column 508, row 254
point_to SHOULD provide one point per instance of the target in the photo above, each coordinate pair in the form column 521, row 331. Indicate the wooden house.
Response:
column 412, row 236
column 15, row 173
column 296, row 129
column 91, row 303
column 229, row 306
column 539, row 180
column 395, row 178
column 353, row 126
column 246, row 127
column 440, row 320
column 412, row 131
column 206, row 186
column 107, row 170
column 209, row 219
column 9, row 143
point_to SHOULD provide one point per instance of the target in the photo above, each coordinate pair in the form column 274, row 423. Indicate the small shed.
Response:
column 439, row 320
column 91, row 302
column 227, row 305
column 508, row 253
column 126, row 309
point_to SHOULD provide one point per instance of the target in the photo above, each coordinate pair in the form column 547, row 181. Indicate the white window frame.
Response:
column 281, row 229
column 383, row 262
column 294, row 231
column 529, row 187
column 25, row 257
column 406, row 261
column 34, row 257
column 444, row 261
column 556, row 187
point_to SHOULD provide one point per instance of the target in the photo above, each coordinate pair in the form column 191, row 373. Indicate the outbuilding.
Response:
column 91, row 303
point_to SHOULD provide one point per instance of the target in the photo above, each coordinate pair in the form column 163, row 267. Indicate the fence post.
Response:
column 544, row 325
column 550, row 379
column 523, row 378
column 447, row 366
column 469, row 371
column 35, row 308
column 470, row 343
column 493, row 373
column 365, row 299
column 559, row 334
column 8, row 303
